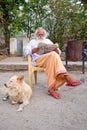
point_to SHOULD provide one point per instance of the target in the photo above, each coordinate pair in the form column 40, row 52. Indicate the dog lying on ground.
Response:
column 17, row 91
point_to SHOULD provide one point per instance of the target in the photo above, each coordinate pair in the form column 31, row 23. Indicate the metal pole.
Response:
column 83, row 61
column 66, row 57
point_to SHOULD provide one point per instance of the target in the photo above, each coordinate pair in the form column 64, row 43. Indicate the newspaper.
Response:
column 46, row 48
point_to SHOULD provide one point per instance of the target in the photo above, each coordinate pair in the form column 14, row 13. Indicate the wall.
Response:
column 17, row 46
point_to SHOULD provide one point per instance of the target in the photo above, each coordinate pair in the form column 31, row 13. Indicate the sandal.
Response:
column 54, row 94
column 74, row 83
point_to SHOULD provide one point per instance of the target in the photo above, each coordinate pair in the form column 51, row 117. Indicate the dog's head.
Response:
column 14, row 81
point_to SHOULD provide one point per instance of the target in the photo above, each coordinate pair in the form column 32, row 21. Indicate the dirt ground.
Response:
column 2, row 57
column 44, row 112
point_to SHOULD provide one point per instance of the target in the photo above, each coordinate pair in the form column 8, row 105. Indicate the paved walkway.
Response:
column 44, row 112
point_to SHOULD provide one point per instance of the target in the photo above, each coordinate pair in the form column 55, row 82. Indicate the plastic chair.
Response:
column 31, row 70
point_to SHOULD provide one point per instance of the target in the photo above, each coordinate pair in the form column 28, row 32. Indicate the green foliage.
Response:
column 84, row 1
column 62, row 19
column 67, row 20
column 7, row 16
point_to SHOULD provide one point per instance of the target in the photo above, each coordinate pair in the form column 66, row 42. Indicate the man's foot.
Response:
column 54, row 94
column 74, row 83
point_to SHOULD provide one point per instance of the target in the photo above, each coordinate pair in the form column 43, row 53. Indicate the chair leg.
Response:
column 35, row 76
column 30, row 78
column 83, row 61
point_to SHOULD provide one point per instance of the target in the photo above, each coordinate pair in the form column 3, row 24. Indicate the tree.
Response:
column 67, row 19
column 14, row 20
column 34, row 13
column 62, row 19
column 7, row 17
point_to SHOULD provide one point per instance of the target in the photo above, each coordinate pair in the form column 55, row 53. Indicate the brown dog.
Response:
column 17, row 91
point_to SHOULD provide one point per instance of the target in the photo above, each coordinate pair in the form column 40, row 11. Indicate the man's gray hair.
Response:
column 40, row 28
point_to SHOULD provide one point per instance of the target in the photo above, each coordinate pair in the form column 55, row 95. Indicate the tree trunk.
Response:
column 7, row 40
column 6, row 34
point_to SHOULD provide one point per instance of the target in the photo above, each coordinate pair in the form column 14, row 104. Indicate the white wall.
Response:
column 13, row 46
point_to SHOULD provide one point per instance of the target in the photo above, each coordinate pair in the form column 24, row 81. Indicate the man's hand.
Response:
column 35, row 50
column 56, row 50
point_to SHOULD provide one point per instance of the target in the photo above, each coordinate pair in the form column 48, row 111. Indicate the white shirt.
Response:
column 34, row 44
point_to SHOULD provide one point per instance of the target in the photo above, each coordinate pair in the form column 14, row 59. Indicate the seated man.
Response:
column 57, row 74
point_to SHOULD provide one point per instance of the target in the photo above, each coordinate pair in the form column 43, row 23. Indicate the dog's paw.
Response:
column 19, row 109
column 13, row 102
column 4, row 99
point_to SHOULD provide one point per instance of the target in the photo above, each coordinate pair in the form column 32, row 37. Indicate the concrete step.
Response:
column 20, row 63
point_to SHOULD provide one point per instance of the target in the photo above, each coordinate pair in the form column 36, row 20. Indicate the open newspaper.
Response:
column 46, row 48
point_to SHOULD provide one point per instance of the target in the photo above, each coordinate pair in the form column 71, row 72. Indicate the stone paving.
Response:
column 44, row 112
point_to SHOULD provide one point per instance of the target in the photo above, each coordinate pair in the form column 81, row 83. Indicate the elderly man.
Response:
column 57, row 74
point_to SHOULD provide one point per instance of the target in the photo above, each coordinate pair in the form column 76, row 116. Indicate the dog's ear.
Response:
column 20, row 78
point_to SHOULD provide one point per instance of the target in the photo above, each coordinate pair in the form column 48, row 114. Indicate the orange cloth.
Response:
column 53, row 66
